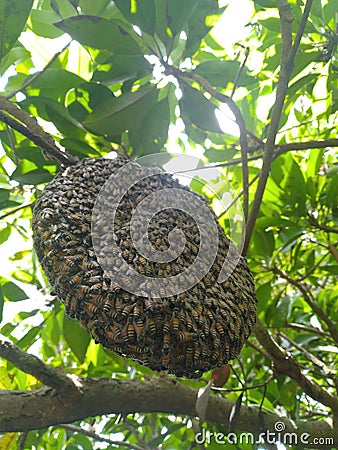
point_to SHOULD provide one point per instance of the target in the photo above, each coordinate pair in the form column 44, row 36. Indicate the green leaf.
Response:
column 13, row 17
column 5, row 233
column 282, row 312
column 63, row 121
column 264, row 243
column 13, row 292
column 2, row 300
column 200, row 111
column 178, row 13
column 100, row 33
column 152, row 133
column 16, row 55
column 220, row 73
column 35, row 176
column 139, row 12
column 95, row 8
column 197, row 27
column 121, row 68
column 121, row 113
column 29, row 338
column 266, row 3
column 55, row 83
column 43, row 23
column 76, row 337
column 79, row 148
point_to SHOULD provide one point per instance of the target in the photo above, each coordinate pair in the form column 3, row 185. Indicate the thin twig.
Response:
column 34, row 366
column 99, row 437
column 287, row 63
column 312, row 330
column 246, row 388
column 313, row 268
column 332, row 328
column 239, row 72
column 38, row 74
column 13, row 211
column 243, row 139
column 237, row 197
column 286, row 364
column 313, row 358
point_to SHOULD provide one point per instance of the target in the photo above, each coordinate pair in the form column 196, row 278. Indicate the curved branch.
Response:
column 243, row 138
column 27, row 125
column 332, row 328
column 28, row 410
column 34, row 366
column 284, row 363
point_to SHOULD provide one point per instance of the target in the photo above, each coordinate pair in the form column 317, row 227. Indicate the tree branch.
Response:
column 332, row 328
column 27, row 125
column 243, row 139
column 37, row 75
column 99, row 437
column 286, row 364
column 18, row 208
column 287, row 62
column 313, row 358
column 26, row 410
column 34, row 366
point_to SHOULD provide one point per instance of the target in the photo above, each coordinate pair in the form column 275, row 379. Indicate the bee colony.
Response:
column 186, row 333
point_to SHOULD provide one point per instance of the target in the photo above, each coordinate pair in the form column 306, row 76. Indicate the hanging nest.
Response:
column 184, row 333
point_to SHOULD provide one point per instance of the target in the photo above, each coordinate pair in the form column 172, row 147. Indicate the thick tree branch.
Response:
column 287, row 62
column 66, row 402
column 27, row 125
column 285, row 363
column 26, row 410
column 34, row 366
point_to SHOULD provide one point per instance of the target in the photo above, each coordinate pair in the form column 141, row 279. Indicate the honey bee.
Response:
column 219, row 328
column 76, row 279
column 215, row 356
column 151, row 326
column 139, row 328
column 149, row 270
column 131, row 330
column 175, row 322
column 107, row 307
column 91, row 308
column 197, row 353
column 142, row 260
column 126, row 311
column 137, row 309
column 166, row 341
column 166, row 327
column 114, row 333
column 189, row 323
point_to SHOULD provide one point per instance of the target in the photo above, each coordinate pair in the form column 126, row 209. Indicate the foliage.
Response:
column 127, row 77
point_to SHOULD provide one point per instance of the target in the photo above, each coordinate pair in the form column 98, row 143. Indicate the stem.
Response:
column 38, row 74
column 287, row 62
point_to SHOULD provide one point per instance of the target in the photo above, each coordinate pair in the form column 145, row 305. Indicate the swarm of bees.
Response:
column 187, row 333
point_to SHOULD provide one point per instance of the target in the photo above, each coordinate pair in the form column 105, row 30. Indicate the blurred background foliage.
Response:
column 97, row 76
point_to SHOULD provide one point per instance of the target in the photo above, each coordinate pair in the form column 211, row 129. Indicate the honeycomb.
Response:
column 183, row 332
